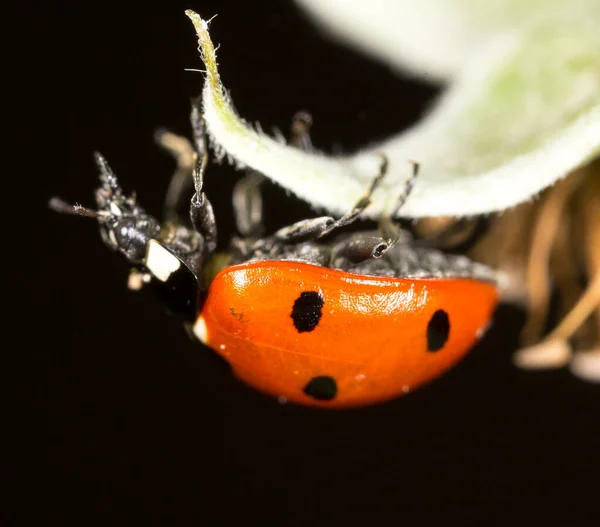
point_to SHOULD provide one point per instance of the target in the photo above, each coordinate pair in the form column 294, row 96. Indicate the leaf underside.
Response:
column 520, row 114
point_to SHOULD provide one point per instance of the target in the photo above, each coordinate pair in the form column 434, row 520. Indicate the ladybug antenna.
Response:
column 58, row 205
column 408, row 186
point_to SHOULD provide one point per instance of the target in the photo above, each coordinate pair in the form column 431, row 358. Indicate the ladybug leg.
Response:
column 248, row 205
column 247, row 200
column 362, row 247
column 201, row 211
column 304, row 230
column 198, row 128
column 359, row 248
column 185, row 155
column 356, row 249
column 191, row 165
column 316, row 228
column 362, row 203
column 183, row 152
column 390, row 230
column 300, row 131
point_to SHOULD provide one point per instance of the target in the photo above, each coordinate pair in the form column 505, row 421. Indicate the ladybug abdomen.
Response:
column 319, row 336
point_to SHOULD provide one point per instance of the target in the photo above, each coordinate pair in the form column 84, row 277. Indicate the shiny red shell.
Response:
column 319, row 336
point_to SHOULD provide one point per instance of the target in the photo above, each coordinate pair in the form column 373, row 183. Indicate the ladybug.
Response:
column 303, row 315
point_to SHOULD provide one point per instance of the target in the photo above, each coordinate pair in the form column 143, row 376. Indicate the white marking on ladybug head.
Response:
column 160, row 262
column 200, row 330
column 115, row 209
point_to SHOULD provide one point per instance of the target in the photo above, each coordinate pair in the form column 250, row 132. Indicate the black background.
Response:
column 121, row 419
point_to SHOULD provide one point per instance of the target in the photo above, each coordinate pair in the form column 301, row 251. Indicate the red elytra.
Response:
column 319, row 336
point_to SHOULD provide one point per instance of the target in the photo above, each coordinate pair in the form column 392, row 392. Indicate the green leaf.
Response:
column 523, row 112
column 435, row 38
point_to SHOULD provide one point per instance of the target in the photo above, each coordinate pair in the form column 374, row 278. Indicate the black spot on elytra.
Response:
column 323, row 388
column 438, row 330
column 306, row 312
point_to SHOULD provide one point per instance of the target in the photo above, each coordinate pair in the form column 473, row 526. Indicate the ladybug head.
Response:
column 169, row 256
